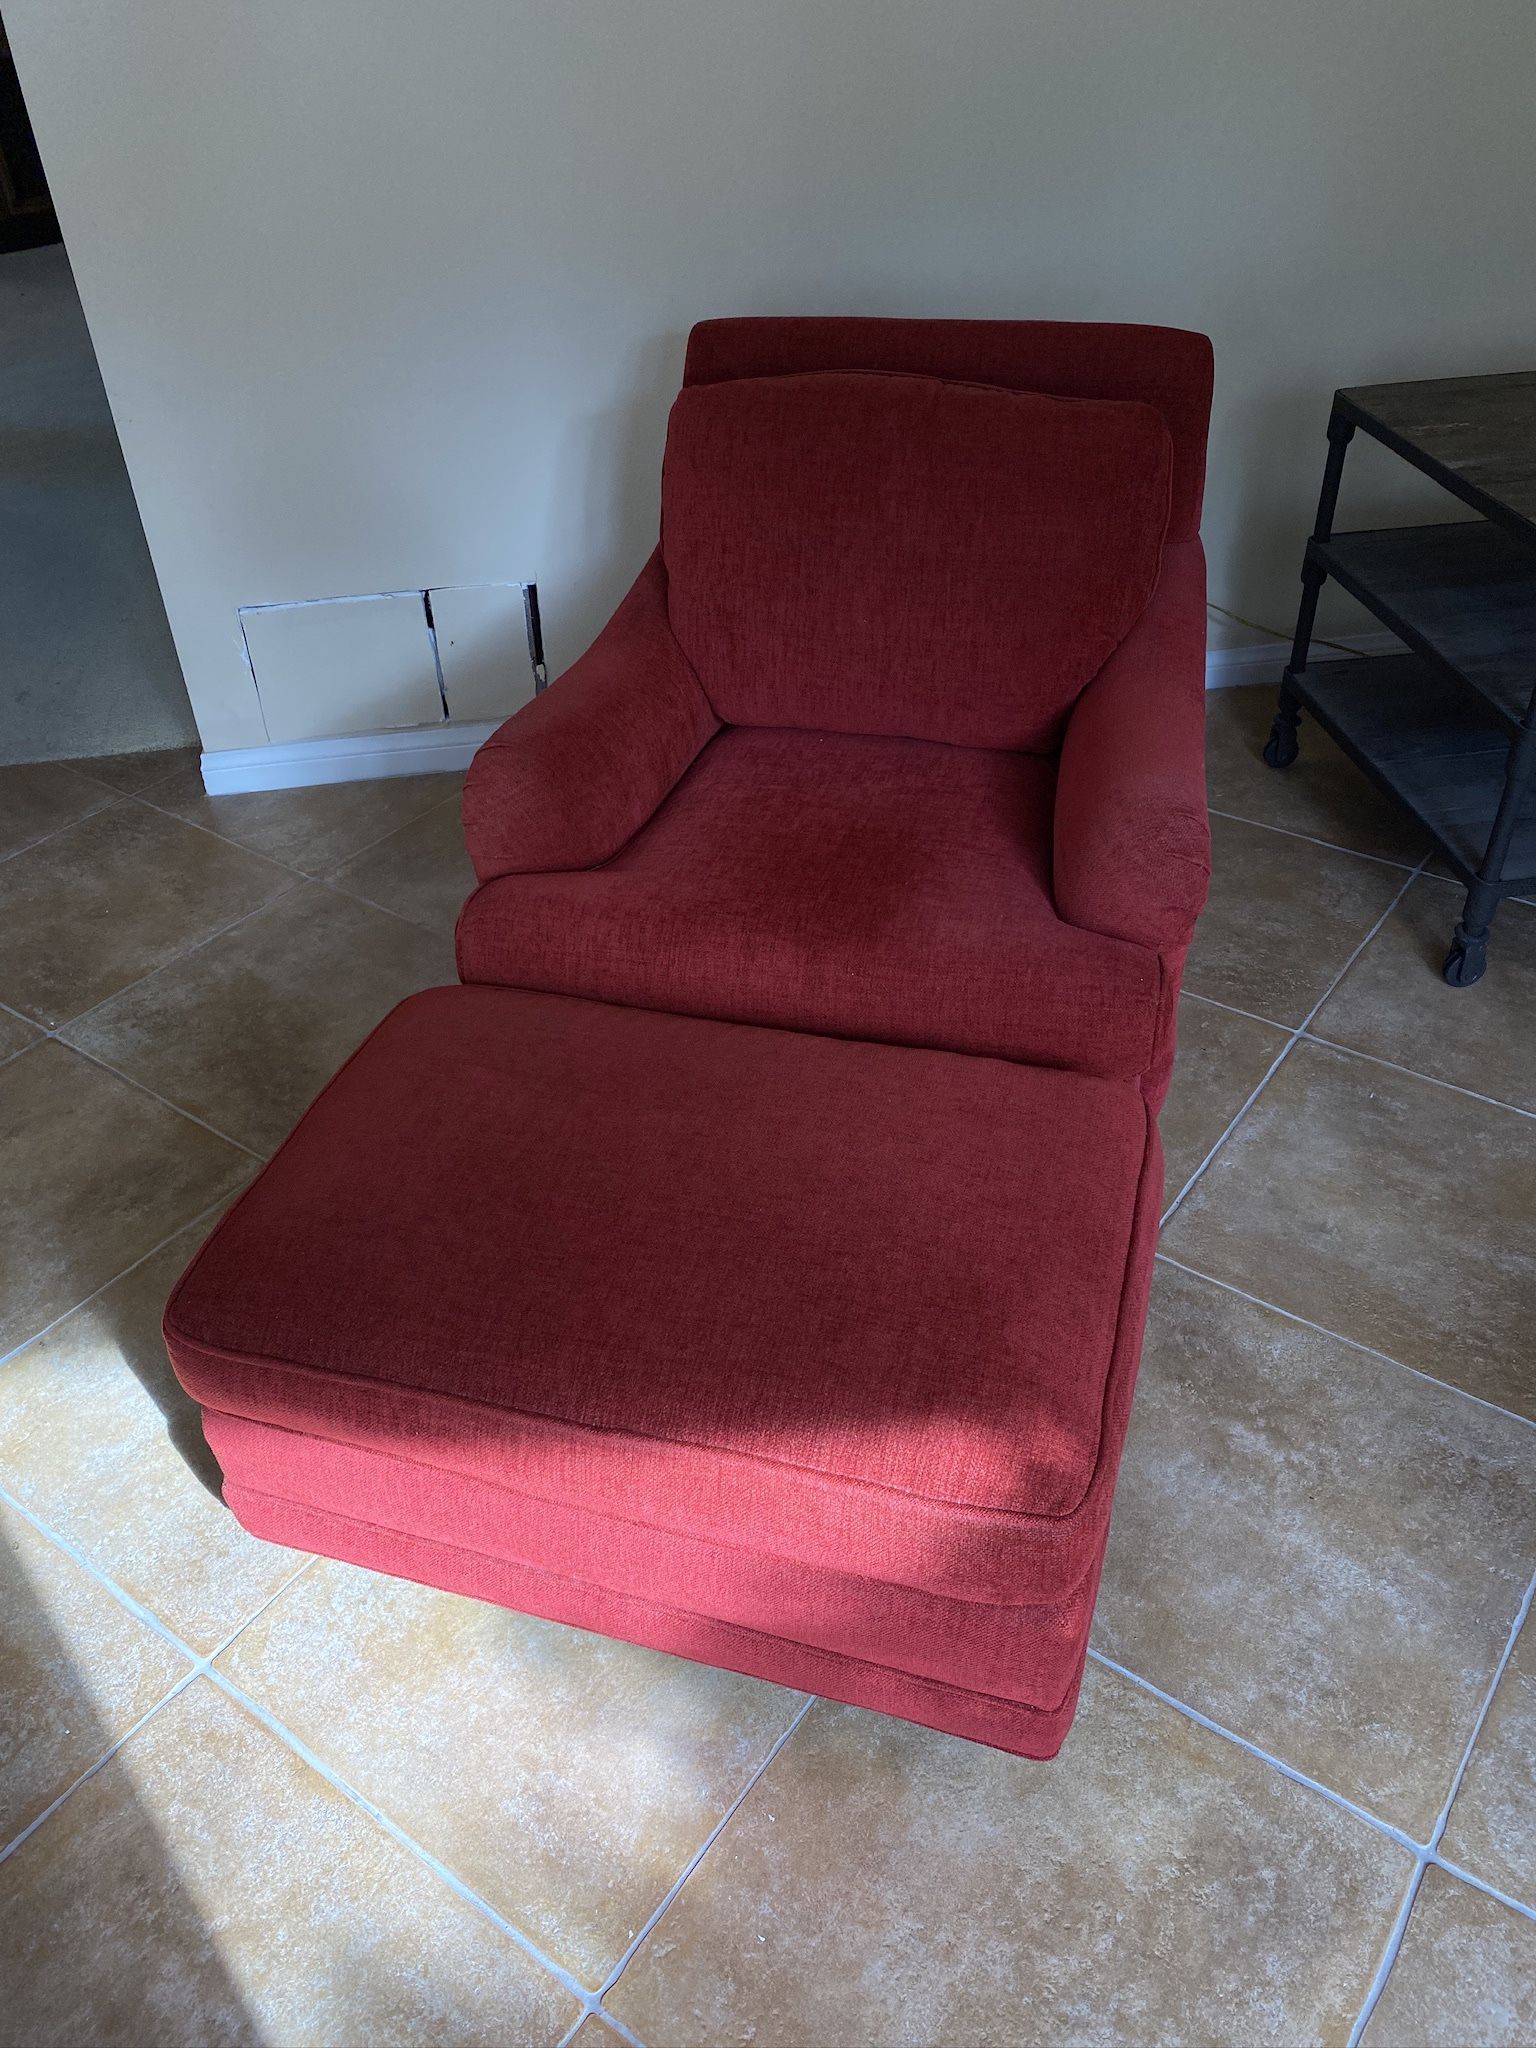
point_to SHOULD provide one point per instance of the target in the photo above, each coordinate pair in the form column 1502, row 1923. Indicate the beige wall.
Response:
column 393, row 294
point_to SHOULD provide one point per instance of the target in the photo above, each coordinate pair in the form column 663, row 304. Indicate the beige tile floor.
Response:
column 250, row 1797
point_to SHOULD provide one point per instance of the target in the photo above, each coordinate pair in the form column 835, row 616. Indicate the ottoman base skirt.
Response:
column 804, row 1357
column 1026, row 1730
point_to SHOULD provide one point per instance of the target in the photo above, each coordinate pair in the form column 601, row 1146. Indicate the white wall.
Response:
column 393, row 294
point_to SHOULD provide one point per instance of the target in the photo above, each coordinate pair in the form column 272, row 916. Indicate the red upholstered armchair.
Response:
column 899, row 735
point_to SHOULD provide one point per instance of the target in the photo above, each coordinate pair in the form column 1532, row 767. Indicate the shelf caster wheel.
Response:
column 1282, row 746
column 1465, row 963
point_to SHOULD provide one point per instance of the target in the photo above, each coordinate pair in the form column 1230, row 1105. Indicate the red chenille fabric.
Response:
column 756, row 1286
column 876, row 888
column 1131, row 841
column 1169, row 368
column 807, row 1356
column 566, row 782
column 650, row 839
column 1027, row 1653
column 903, row 556
column 751, row 1261
column 658, row 1617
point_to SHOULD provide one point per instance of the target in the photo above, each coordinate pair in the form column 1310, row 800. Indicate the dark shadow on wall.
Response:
column 607, row 489
column 87, row 665
column 27, row 216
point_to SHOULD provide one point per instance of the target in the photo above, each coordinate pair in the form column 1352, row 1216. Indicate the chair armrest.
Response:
column 1132, row 834
column 573, row 775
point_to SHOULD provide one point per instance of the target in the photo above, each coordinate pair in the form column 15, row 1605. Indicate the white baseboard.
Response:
column 357, row 757
column 427, row 750
column 1263, row 661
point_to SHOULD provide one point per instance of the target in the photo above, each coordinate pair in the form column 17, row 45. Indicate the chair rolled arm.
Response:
column 576, row 773
column 1132, row 834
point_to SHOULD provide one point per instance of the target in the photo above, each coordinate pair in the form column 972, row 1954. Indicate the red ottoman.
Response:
column 804, row 1356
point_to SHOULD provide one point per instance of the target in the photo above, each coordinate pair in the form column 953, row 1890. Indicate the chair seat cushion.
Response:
column 880, row 888
column 853, row 1305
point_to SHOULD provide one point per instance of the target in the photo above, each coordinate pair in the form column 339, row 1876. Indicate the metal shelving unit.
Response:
column 1447, row 728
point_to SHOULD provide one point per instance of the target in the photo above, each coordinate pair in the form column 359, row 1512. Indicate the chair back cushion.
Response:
column 900, row 555
column 1170, row 368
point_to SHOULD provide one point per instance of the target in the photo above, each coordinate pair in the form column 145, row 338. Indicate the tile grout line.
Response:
column 437, row 804
column 1249, row 1100
column 196, row 825
column 324, row 878
column 607, row 2019
column 607, row 2022
column 309, row 875
column 393, row 1829
column 1484, row 1885
column 1232, row 1010
column 1389, row 1954
column 210, row 1209
column 329, row 879
column 20, row 1841
column 1424, row 1853
column 201, row 1667
column 1382, row 860
column 385, row 910
column 298, row 876
column 71, row 1549
column 1354, row 1343
column 1289, row 1047
column 106, row 1067
column 703, row 1850
column 159, row 781
column 145, row 797
column 1499, row 1670
column 591, row 2001
column 1342, row 1045
column 204, row 1666
column 113, row 798
column 1413, row 1073
column 1264, row 1756
column 174, row 960
column 56, row 1032
column 1430, row 1854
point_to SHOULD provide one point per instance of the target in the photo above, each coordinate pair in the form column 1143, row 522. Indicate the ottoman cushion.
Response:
column 790, row 1339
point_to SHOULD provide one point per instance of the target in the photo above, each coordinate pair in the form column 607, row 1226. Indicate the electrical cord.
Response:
column 1253, row 626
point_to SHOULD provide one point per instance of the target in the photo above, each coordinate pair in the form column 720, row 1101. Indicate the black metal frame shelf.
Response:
column 1462, row 596
column 1448, row 729
column 1472, row 435
column 1408, row 727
